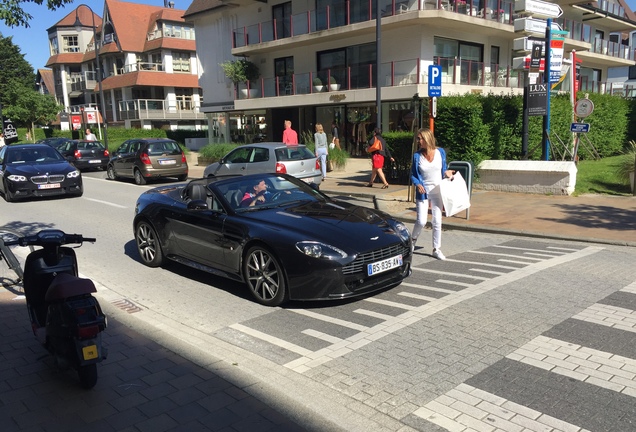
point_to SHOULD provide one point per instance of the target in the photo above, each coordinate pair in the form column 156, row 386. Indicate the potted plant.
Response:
column 333, row 84
column 461, row 6
column 242, row 71
column 627, row 165
column 317, row 82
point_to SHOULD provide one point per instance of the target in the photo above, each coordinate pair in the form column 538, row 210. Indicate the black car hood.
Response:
column 31, row 169
column 339, row 223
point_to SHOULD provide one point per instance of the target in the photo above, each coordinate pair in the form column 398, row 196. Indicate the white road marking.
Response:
column 105, row 202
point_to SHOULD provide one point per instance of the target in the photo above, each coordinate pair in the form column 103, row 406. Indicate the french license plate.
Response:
column 49, row 186
column 384, row 265
column 167, row 161
column 89, row 352
column 95, row 161
column 308, row 180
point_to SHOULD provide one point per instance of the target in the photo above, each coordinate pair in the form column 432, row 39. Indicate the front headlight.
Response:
column 17, row 178
column 320, row 250
column 73, row 174
column 402, row 231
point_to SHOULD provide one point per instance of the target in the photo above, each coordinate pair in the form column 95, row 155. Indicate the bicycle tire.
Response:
column 11, row 265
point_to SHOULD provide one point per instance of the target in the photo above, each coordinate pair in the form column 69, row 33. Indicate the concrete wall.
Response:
column 541, row 177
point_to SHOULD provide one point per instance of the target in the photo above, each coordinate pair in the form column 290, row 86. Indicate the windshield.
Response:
column 33, row 155
column 265, row 191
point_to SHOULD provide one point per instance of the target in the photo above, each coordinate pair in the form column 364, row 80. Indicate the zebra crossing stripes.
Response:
column 466, row 408
column 613, row 372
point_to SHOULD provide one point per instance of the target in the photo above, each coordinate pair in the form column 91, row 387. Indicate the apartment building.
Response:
column 147, row 64
column 317, row 58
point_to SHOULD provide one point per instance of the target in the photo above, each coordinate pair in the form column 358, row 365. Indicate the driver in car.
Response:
column 255, row 196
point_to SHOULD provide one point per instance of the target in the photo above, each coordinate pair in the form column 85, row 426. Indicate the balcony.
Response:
column 157, row 109
column 340, row 15
column 395, row 74
column 142, row 66
column 85, row 81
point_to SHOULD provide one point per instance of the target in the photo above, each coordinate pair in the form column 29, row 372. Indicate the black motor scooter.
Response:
column 65, row 317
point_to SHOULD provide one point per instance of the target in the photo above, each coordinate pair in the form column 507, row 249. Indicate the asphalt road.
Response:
column 508, row 333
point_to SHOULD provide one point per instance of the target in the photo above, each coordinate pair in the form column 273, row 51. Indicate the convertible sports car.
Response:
column 277, row 234
column 37, row 170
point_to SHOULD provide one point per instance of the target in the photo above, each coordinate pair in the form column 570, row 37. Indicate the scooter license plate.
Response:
column 89, row 352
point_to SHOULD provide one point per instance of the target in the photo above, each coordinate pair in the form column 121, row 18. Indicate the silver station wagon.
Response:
column 269, row 157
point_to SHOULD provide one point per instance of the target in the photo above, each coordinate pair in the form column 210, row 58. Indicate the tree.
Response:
column 239, row 71
column 12, row 14
column 30, row 107
column 15, row 71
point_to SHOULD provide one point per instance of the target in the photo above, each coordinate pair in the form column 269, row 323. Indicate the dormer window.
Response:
column 70, row 44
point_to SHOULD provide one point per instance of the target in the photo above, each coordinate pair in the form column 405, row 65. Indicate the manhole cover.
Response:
column 126, row 305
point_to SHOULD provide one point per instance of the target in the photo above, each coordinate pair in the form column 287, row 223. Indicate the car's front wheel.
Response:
column 264, row 276
column 148, row 245
column 8, row 196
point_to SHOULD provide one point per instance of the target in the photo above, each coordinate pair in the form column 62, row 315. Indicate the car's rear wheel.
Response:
column 148, row 245
column 264, row 276
column 139, row 179
column 110, row 172
column 182, row 177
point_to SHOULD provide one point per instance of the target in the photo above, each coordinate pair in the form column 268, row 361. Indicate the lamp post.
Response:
column 78, row 26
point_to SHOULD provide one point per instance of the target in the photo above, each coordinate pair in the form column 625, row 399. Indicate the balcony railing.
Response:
column 398, row 73
column 343, row 14
column 155, row 109
column 83, row 81
column 142, row 66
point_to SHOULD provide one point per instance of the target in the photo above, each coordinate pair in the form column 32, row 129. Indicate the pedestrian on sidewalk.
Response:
column 90, row 136
column 321, row 148
column 377, row 158
column 290, row 136
column 428, row 170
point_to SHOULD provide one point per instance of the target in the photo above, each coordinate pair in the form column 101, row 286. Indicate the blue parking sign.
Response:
column 434, row 81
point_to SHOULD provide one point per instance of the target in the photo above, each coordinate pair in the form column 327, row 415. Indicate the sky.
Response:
column 34, row 41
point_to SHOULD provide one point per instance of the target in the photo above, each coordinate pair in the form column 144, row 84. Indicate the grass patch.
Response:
column 601, row 177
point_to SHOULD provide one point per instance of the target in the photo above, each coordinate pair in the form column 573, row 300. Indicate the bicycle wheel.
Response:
column 11, row 258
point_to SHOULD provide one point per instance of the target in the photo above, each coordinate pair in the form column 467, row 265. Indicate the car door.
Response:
column 199, row 233
column 235, row 162
column 123, row 158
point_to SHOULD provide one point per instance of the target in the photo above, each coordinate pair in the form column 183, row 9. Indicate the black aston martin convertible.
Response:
column 280, row 236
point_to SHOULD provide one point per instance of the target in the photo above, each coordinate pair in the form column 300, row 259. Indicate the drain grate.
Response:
column 126, row 305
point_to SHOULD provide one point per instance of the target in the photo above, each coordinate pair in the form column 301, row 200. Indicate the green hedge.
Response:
column 479, row 127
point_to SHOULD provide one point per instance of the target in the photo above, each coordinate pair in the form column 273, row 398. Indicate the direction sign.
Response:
column 580, row 127
column 538, row 8
column 434, row 81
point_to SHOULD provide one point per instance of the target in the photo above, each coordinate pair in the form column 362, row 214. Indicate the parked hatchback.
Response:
column 269, row 157
column 148, row 158
column 84, row 154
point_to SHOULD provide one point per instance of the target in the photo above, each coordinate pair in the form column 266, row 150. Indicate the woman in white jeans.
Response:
column 427, row 172
column 321, row 148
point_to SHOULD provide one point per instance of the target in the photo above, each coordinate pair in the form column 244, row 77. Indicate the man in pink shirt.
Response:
column 289, row 135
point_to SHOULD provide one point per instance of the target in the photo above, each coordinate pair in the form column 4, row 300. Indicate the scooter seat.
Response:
column 65, row 285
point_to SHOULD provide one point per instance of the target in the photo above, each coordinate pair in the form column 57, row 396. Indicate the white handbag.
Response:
column 454, row 194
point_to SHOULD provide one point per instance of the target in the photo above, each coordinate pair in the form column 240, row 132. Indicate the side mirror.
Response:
column 197, row 205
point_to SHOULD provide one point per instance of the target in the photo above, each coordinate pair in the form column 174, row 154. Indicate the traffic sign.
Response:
column 580, row 127
column 583, row 107
column 434, row 81
column 538, row 8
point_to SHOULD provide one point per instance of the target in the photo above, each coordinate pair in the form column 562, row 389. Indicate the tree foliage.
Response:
column 12, row 13
column 20, row 101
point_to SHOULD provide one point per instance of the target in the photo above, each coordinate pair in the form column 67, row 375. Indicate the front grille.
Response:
column 43, row 179
column 360, row 264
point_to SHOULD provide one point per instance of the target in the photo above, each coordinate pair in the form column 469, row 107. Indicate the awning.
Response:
column 75, row 93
